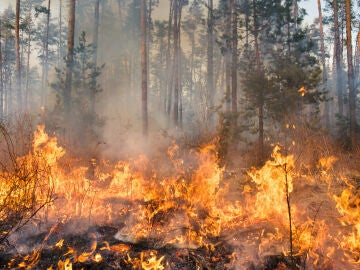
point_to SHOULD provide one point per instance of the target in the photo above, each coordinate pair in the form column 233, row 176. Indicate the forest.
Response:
column 179, row 134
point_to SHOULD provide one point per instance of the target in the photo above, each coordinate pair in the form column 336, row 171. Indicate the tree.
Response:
column 350, row 71
column 144, row 68
column 177, row 91
column 46, row 58
column 17, row 56
column 1, row 76
column 228, row 57
column 324, row 72
column 338, row 60
column 69, row 64
column 210, row 56
column 95, row 45
column 234, row 59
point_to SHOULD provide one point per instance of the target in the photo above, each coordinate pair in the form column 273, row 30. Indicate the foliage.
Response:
column 85, row 88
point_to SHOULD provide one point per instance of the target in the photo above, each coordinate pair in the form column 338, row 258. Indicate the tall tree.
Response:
column 210, row 55
column 17, row 55
column 169, row 66
column 234, row 59
column 324, row 72
column 176, row 62
column 69, row 64
column 95, row 46
column 46, row 57
column 350, row 71
column 1, row 76
column 228, row 57
column 144, row 68
column 338, row 53
column 260, row 98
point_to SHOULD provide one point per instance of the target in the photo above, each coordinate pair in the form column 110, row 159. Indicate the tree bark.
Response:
column 228, row 58
column 210, row 58
column 324, row 72
column 69, row 64
column 60, row 34
column 46, row 58
column 27, row 89
column 177, row 18
column 357, row 58
column 1, row 77
column 144, row 68
column 260, row 100
column 17, row 57
column 95, row 47
column 339, row 82
column 234, row 59
column 350, row 72
column 169, row 77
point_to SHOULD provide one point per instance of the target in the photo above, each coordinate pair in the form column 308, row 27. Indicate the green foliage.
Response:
column 84, row 89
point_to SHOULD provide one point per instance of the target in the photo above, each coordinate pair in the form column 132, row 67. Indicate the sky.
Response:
column 309, row 5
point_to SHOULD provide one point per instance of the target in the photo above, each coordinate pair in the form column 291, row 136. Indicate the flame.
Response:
column 149, row 262
column 271, row 181
column 64, row 265
column 188, row 206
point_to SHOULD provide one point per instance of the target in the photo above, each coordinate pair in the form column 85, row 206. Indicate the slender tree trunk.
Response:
column 144, row 70
column 95, row 46
column 60, row 34
column 27, row 89
column 234, row 59
column 296, row 13
column 338, row 52
column 210, row 58
column 46, row 58
column 1, row 77
column 69, row 64
column 7, row 79
column 177, row 6
column 357, row 59
column 228, row 58
column 169, row 77
column 324, row 72
column 17, row 56
column 350, row 71
column 261, row 96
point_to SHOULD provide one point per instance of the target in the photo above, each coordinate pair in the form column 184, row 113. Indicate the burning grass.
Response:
column 182, row 212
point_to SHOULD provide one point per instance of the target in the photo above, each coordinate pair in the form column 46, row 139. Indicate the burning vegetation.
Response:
column 184, row 211
column 178, row 134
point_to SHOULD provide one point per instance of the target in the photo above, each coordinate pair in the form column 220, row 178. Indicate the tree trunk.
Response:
column 234, row 59
column 60, row 34
column 17, row 56
column 210, row 58
column 169, row 77
column 1, row 78
column 228, row 58
column 69, row 64
column 339, row 82
column 357, row 58
column 95, row 46
column 324, row 72
column 46, row 58
column 261, row 96
column 27, row 89
column 350, row 71
column 177, row 9
column 144, row 70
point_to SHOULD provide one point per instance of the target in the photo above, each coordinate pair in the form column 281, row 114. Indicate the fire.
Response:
column 274, row 182
column 192, row 204
column 147, row 262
